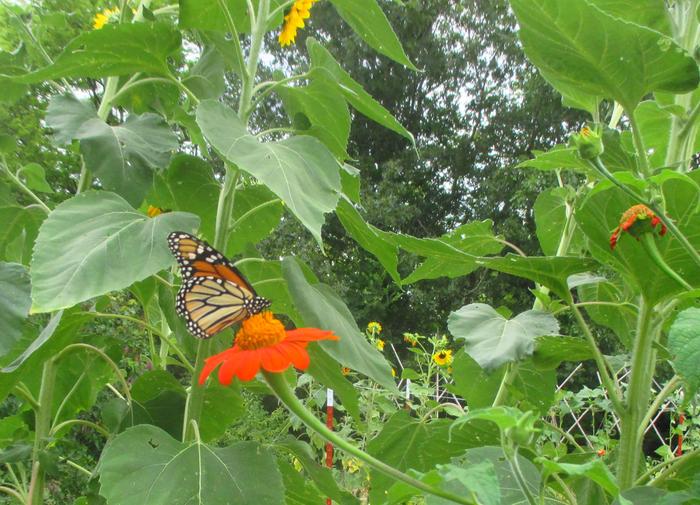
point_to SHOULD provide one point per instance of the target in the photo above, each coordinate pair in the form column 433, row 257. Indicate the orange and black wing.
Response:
column 214, row 294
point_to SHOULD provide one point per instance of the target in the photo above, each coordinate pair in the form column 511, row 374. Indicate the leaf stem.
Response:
column 280, row 387
column 669, row 388
column 650, row 247
column 23, row 187
column 235, row 39
column 270, row 87
column 601, row 363
column 81, row 422
column 639, row 146
column 15, row 494
column 670, row 467
column 252, row 211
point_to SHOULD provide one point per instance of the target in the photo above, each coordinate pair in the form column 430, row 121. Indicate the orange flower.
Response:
column 345, row 370
column 262, row 342
column 153, row 211
column 636, row 214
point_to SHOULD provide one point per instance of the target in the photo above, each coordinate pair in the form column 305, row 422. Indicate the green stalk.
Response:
column 195, row 398
column 257, row 37
column 42, row 430
column 649, row 245
column 637, row 402
column 639, row 146
column 280, row 387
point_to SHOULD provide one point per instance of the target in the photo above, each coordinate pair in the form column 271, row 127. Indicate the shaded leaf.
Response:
column 684, row 345
column 15, row 301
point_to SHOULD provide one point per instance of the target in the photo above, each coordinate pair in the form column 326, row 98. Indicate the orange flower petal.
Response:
column 299, row 356
column 275, row 359
column 309, row 335
column 212, row 362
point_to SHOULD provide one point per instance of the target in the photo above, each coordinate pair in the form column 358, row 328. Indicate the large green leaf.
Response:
column 473, row 383
column 473, row 239
column 353, row 92
column 599, row 214
column 551, row 351
column 370, row 23
column 684, row 345
column 576, row 45
column 409, row 443
column 319, row 110
column 113, row 50
column 160, row 470
column 124, row 156
column 206, row 78
column 369, row 238
column 20, row 226
column 650, row 13
column 492, row 339
column 94, row 243
column 616, row 312
column 550, row 217
column 189, row 185
column 15, row 301
column 321, row 308
column 327, row 371
column 596, row 470
column 208, row 15
column 267, row 279
column 65, row 115
column 300, row 170
column 549, row 271
column 257, row 211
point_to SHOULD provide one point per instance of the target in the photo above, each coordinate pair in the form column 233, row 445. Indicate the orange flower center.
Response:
column 260, row 330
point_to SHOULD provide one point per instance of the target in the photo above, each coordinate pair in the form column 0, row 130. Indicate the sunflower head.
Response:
column 380, row 344
column 374, row 327
column 294, row 20
column 443, row 357
column 104, row 17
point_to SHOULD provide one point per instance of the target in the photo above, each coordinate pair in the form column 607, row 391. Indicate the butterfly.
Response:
column 214, row 294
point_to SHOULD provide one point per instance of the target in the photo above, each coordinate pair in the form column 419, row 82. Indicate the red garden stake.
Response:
column 681, row 420
column 329, row 424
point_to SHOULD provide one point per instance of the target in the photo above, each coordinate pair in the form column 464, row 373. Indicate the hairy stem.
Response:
column 42, row 430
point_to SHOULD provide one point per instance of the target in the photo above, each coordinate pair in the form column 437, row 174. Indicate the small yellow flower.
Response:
column 345, row 370
column 410, row 338
column 443, row 358
column 374, row 328
column 393, row 372
column 380, row 344
column 352, row 465
column 295, row 20
column 154, row 211
column 102, row 18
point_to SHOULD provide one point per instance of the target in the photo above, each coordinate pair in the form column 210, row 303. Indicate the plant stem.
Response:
column 519, row 478
column 670, row 467
column 280, row 387
column 81, row 422
column 638, row 393
column 669, row 388
column 12, row 492
column 257, row 37
column 23, row 187
column 508, row 378
column 42, row 430
column 639, row 146
column 601, row 363
column 650, row 247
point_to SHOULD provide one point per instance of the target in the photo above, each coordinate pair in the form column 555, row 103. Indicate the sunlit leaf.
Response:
column 94, row 243
column 15, row 301
column 300, row 170
column 492, row 339
column 684, row 344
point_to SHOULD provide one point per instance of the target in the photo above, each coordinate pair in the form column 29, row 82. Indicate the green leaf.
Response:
column 95, row 243
column 299, row 170
column 222, row 406
column 600, row 212
column 189, row 185
column 574, row 44
column 350, row 181
column 298, row 490
column 34, row 177
column 596, row 470
column 11, row 64
column 267, row 279
column 470, row 239
column 550, row 217
column 161, row 470
column 368, row 20
column 548, row 271
column 256, row 213
column 322, row 106
column 369, row 238
column 206, row 78
column 492, row 339
column 621, row 319
column 119, row 49
column 354, row 93
column 473, row 383
column 532, row 388
column 208, row 15
column 321, row 308
column 551, row 351
column 65, row 115
column 18, row 233
column 684, row 344
column 650, row 13
column 327, row 371
column 124, row 156
column 15, row 301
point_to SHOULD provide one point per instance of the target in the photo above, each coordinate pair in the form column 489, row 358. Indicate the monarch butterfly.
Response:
column 214, row 294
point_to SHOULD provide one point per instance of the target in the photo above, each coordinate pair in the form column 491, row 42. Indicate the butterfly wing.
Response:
column 214, row 294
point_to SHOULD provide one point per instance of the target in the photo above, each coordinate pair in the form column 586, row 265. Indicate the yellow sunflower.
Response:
column 443, row 357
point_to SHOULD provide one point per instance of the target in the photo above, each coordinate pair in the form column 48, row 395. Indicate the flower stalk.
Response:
column 280, row 387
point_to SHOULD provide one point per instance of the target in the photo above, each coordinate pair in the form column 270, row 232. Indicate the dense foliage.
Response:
column 508, row 188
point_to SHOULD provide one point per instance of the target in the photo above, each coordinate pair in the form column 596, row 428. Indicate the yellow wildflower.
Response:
column 410, row 338
column 374, row 327
column 443, row 358
column 345, row 370
column 352, row 465
column 380, row 344
column 393, row 372
column 102, row 18
column 295, row 20
column 153, row 211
